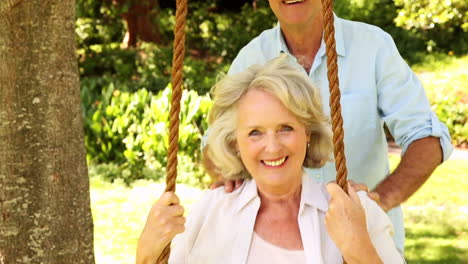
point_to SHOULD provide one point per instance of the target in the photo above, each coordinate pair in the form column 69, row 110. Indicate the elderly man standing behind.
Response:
column 377, row 87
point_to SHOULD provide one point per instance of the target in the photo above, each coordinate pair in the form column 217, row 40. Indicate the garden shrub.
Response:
column 442, row 25
column 444, row 78
column 222, row 35
column 131, row 130
column 452, row 110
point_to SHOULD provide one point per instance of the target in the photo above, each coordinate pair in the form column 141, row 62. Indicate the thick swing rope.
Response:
column 177, row 70
column 335, row 95
column 335, row 107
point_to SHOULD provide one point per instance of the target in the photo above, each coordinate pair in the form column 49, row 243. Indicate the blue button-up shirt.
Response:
column 376, row 86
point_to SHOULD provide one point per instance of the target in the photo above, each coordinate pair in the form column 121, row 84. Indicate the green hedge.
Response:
column 131, row 130
column 445, row 79
column 454, row 114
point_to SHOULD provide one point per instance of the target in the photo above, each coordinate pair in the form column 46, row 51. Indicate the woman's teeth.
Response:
column 275, row 163
column 292, row 1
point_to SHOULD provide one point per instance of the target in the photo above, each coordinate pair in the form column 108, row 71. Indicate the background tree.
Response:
column 45, row 214
column 138, row 17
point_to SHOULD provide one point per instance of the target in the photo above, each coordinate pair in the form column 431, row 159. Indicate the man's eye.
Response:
column 254, row 133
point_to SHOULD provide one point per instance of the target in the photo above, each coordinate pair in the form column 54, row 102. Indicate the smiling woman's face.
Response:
column 271, row 140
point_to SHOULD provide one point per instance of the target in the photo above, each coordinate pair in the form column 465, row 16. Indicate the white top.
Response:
column 220, row 226
column 376, row 86
column 262, row 251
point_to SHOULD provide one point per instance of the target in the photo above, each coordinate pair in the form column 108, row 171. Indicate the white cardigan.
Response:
column 220, row 226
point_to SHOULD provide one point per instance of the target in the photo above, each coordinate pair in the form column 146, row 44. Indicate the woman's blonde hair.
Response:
column 283, row 78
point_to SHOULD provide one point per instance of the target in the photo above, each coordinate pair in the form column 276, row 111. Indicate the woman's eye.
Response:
column 254, row 133
column 287, row 128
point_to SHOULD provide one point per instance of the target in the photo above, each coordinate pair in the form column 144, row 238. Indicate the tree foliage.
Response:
column 427, row 14
column 442, row 23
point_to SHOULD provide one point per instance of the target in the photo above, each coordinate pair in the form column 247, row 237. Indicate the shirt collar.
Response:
column 248, row 193
column 282, row 47
column 313, row 194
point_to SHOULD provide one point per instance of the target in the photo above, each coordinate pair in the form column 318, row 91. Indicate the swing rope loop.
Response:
column 335, row 107
column 177, row 70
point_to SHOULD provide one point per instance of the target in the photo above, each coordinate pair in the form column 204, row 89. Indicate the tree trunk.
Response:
column 45, row 214
column 139, row 24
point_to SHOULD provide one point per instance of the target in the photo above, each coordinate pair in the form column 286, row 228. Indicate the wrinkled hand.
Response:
column 358, row 186
column 373, row 195
column 345, row 219
column 164, row 222
column 229, row 185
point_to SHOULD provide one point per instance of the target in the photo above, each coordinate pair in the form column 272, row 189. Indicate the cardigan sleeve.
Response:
column 182, row 243
column 380, row 231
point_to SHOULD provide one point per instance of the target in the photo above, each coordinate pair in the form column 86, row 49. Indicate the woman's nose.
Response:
column 272, row 144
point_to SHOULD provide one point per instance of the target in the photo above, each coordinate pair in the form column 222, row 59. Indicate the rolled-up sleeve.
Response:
column 403, row 104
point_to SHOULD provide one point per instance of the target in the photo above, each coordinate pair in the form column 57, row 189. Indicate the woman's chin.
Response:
column 274, row 182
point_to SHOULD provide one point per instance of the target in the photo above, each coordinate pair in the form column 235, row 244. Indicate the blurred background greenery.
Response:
column 124, row 53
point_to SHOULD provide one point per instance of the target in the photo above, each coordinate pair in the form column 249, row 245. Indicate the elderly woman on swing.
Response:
column 266, row 126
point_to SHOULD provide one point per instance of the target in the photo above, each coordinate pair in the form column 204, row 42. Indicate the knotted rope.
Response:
column 335, row 95
column 177, row 71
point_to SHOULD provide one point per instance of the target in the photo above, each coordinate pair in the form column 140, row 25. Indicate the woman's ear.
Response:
column 234, row 146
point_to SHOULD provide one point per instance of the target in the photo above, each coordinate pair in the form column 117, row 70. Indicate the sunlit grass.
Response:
column 119, row 214
column 436, row 216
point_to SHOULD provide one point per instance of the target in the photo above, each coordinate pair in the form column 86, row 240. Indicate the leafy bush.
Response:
column 427, row 14
column 445, row 79
column 131, row 129
column 416, row 25
column 456, row 120
column 382, row 13
column 212, row 43
column 452, row 109
column 443, row 25
column 154, row 70
column 222, row 35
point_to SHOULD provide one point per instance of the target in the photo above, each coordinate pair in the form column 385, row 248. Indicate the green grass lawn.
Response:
column 436, row 216
column 119, row 214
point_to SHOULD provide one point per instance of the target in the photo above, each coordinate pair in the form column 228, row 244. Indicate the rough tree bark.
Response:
column 45, row 214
